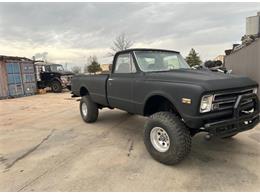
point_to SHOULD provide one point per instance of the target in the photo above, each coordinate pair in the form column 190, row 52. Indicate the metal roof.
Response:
column 146, row 49
column 3, row 57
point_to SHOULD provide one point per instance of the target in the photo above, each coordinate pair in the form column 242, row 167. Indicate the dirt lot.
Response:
column 45, row 146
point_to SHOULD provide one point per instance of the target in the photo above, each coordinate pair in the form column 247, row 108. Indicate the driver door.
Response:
column 46, row 73
column 120, row 83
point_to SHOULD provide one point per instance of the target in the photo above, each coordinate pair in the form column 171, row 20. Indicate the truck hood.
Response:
column 209, row 80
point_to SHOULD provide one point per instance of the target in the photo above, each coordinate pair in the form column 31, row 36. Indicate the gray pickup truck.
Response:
column 179, row 101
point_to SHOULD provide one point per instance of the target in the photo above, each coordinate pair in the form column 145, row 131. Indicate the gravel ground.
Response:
column 45, row 146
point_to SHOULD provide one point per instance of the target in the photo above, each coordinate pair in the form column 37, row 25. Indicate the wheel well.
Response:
column 54, row 80
column 158, row 103
column 83, row 91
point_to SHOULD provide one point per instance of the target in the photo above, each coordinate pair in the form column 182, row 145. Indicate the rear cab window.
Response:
column 124, row 64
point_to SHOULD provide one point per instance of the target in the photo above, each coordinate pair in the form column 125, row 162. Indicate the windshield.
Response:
column 57, row 68
column 149, row 61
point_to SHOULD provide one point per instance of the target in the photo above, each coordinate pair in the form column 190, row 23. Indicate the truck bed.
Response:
column 96, row 85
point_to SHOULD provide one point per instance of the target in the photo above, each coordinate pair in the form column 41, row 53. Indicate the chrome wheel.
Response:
column 84, row 109
column 160, row 139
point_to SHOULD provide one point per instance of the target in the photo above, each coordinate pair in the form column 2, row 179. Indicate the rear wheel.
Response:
column 166, row 138
column 88, row 109
column 56, row 87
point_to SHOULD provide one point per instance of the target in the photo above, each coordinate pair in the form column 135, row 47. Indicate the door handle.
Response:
column 109, row 81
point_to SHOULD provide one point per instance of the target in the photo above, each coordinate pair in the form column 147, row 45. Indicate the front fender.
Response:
column 159, row 93
column 174, row 92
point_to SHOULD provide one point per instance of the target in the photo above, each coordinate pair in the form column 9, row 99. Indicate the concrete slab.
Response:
column 45, row 146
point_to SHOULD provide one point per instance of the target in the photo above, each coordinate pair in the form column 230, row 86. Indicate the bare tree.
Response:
column 85, row 69
column 120, row 43
column 92, row 59
column 41, row 56
column 76, row 69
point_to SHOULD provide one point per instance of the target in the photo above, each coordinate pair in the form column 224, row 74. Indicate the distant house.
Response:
column 17, row 77
column 106, row 67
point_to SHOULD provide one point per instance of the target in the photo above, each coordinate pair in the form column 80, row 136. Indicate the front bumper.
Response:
column 242, row 119
column 66, row 84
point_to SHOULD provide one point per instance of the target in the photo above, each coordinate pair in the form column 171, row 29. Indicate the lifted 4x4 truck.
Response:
column 178, row 100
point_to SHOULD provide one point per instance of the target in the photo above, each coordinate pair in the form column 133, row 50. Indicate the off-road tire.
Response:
column 179, row 135
column 92, row 109
column 56, row 87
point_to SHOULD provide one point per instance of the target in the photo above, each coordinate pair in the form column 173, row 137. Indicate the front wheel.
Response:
column 56, row 87
column 88, row 109
column 166, row 138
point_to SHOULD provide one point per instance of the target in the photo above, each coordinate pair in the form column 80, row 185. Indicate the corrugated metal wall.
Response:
column 17, row 78
column 246, row 61
column 15, row 85
column 3, row 81
column 29, row 83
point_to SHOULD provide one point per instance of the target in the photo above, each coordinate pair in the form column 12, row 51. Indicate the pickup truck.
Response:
column 179, row 101
column 54, row 76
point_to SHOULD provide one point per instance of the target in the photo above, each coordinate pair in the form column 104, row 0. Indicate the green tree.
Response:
column 193, row 58
column 211, row 64
column 93, row 65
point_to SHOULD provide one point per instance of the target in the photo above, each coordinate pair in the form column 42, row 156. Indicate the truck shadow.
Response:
column 221, row 164
column 212, row 165
column 202, row 151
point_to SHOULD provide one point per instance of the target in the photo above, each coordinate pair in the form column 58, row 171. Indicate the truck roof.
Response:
column 145, row 49
column 48, row 64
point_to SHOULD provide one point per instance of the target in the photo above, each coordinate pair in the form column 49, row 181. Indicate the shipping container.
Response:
column 17, row 77
column 29, row 81
column 3, row 81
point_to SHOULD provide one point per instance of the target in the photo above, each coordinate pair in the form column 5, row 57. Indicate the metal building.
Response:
column 253, row 25
column 17, row 77
column 246, row 61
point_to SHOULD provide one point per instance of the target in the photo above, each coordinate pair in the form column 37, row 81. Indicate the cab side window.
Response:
column 124, row 64
column 47, row 69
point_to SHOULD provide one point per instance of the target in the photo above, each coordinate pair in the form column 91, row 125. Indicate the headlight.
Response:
column 64, row 79
column 255, row 90
column 206, row 103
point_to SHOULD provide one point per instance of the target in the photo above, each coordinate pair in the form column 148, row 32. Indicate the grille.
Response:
column 227, row 100
column 69, row 78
